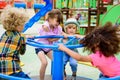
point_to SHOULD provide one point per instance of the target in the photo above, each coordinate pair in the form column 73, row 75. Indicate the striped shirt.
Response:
column 12, row 44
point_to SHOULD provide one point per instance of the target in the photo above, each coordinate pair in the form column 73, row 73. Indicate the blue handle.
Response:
column 6, row 77
column 38, row 15
column 32, row 42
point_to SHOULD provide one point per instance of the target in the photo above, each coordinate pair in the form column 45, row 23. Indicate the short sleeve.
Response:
column 60, row 29
column 95, row 59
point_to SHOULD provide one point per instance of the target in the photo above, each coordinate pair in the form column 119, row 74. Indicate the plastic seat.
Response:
column 6, row 77
column 113, row 78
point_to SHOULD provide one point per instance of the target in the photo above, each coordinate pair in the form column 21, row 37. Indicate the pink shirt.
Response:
column 109, row 66
column 57, row 31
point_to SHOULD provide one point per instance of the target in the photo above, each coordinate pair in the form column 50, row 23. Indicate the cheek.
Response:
column 21, row 28
column 74, row 30
column 54, row 22
column 68, row 31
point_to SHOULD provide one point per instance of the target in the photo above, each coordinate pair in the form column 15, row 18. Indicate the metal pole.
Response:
column 57, row 65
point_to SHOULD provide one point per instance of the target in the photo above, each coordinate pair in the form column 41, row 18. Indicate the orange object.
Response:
column 107, row 1
column 2, row 4
column 20, row 1
column 30, row 3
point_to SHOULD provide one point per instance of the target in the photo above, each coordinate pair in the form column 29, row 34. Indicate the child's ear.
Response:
column 17, row 28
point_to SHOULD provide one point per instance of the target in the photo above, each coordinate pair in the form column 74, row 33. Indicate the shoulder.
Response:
column 96, row 54
column 60, row 28
column 46, row 23
column 22, row 35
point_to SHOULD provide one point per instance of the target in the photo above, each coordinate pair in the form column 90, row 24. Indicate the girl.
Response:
column 53, row 22
column 104, row 42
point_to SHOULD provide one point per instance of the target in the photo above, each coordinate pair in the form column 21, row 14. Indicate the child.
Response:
column 104, row 43
column 53, row 22
column 12, row 42
column 71, row 26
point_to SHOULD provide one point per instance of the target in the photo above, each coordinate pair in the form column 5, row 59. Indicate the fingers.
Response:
column 60, row 46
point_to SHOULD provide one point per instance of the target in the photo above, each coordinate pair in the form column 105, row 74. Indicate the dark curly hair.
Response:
column 105, row 38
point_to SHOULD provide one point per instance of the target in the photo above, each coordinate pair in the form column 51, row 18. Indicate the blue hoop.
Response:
column 32, row 42
column 57, row 71
column 11, row 77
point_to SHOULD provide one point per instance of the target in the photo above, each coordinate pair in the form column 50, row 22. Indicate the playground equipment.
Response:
column 38, row 15
column 113, row 78
column 93, row 7
column 6, row 77
column 2, row 4
column 28, row 5
column 111, row 10
column 19, row 5
column 38, row 6
column 57, row 71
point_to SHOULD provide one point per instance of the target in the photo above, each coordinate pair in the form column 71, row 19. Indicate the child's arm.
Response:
column 29, row 36
column 64, row 34
column 22, row 45
column 74, row 54
column 53, row 39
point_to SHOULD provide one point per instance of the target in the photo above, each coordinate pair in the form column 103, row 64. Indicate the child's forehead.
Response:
column 54, row 18
column 71, row 25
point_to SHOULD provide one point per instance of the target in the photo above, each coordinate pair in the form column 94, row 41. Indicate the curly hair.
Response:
column 12, row 17
column 56, row 13
column 105, row 38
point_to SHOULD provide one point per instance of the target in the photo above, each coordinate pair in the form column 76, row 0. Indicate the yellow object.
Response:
column 86, row 63
column 21, row 64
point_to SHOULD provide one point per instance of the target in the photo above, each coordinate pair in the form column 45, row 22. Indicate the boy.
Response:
column 12, row 42
column 70, row 28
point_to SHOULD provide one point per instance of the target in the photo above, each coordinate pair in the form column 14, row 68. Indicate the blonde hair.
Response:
column 71, row 24
column 12, row 17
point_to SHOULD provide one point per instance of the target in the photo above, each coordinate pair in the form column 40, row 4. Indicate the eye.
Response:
column 74, row 28
column 69, row 27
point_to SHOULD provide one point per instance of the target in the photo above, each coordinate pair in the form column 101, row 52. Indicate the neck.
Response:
column 97, row 49
column 52, row 27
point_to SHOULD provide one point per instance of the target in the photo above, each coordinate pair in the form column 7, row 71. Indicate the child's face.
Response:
column 54, row 22
column 71, row 29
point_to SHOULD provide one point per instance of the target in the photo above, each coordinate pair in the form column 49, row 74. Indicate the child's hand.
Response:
column 61, row 47
column 65, row 35
column 45, row 28
column 29, row 36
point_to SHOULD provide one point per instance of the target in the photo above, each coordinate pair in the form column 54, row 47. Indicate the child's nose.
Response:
column 57, row 24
